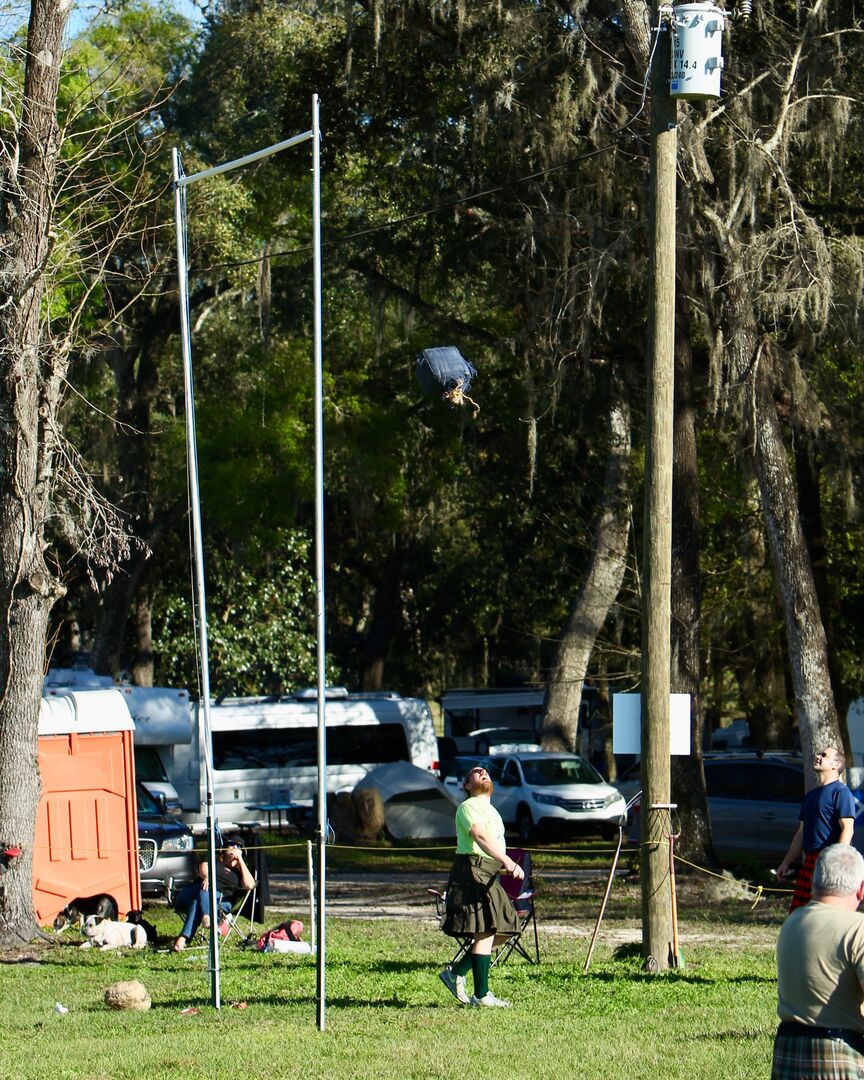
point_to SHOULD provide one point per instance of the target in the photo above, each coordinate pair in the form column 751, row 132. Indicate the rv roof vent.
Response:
column 375, row 695
column 310, row 693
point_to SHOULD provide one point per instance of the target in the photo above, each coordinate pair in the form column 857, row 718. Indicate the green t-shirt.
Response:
column 477, row 811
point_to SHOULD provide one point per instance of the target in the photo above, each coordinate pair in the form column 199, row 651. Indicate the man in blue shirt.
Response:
column 827, row 817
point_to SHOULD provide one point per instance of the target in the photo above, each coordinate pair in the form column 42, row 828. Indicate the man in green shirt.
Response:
column 477, row 908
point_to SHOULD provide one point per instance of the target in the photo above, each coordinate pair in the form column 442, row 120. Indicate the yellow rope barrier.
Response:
column 759, row 890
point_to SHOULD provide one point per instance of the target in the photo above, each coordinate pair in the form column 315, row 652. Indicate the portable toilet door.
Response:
column 86, row 824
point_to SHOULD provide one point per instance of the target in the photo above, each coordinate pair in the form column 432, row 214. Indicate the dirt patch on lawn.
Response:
column 567, row 905
column 30, row 955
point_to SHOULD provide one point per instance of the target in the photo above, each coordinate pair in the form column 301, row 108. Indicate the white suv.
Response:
column 554, row 793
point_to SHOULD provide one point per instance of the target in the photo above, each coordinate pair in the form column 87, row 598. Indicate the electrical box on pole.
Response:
column 697, row 51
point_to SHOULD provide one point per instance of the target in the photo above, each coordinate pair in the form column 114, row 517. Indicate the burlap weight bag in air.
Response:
column 444, row 372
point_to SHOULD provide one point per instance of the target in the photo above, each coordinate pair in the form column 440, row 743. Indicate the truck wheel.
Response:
column 525, row 825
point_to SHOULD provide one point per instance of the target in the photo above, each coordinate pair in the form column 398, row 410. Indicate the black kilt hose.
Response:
column 476, row 903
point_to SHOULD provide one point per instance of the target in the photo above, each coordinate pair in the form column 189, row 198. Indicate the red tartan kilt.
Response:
column 804, row 881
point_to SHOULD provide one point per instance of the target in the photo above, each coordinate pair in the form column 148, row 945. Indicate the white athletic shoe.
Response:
column 489, row 1001
column 455, row 984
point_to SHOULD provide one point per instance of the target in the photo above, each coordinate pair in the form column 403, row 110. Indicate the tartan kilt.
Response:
column 799, row 1057
column 804, row 881
column 476, row 903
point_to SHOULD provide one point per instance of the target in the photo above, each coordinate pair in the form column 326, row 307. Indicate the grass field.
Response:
column 388, row 1015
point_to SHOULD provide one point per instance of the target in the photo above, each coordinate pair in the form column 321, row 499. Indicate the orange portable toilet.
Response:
column 86, row 825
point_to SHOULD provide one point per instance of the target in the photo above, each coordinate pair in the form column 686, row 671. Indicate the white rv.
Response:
column 265, row 751
column 163, row 724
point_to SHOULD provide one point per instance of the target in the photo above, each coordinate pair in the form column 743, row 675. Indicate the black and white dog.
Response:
column 77, row 911
column 104, row 934
column 150, row 930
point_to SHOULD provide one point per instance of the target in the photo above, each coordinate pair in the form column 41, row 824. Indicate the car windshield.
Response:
column 547, row 772
column 148, row 765
column 147, row 805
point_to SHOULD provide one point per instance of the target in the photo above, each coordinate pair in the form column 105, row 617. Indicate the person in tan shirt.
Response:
column 820, row 975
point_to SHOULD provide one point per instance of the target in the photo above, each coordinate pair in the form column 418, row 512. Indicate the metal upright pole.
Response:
column 180, row 184
column 198, row 560
column 657, row 947
column 321, row 830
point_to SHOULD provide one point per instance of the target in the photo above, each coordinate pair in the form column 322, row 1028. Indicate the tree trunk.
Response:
column 142, row 666
column 763, row 681
column 688, row 776
column 753, row 365
column 807, row 472
column 808, row 648
column 386, row 621
column 136, row 374
column 118, row 599
column 598, row 593
column 31, row 369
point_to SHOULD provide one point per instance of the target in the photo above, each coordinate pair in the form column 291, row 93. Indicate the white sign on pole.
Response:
column 627, row 724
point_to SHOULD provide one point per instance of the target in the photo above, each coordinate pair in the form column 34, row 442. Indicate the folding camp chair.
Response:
column 242, row 908
column 522, row 895
column 244, row 903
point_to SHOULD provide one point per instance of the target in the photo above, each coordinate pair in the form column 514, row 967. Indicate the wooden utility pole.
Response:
column 656, row 589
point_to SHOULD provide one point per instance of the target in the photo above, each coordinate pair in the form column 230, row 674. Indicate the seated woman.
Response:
column 193, row 901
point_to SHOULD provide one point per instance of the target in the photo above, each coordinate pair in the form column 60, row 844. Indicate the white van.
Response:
column 265, row 750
